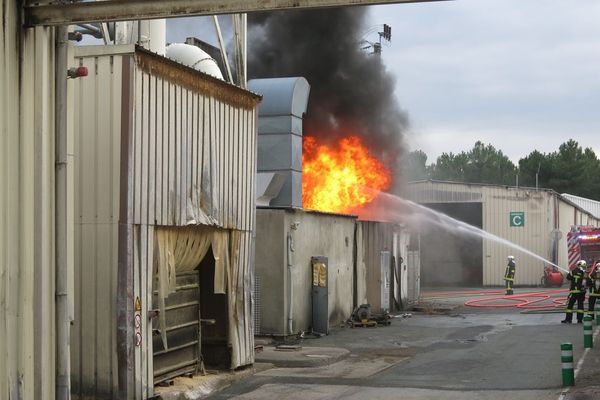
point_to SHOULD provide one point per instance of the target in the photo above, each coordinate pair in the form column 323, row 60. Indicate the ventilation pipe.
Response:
column 194, row 57
column 152, row 35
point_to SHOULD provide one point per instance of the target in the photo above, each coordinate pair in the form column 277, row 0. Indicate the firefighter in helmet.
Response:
column 509, row 275
column 593, row 284
column 576, row 292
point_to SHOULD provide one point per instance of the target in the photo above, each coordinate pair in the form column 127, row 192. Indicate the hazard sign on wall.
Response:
column 517, row 218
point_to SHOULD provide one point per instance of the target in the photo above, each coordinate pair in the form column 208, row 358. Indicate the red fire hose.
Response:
column 523, row 301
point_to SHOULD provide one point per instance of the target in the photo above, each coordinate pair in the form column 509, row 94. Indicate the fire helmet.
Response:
column 581, row 263
column 511, row 257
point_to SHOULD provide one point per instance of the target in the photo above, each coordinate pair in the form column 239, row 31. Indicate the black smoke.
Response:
column 351, row 89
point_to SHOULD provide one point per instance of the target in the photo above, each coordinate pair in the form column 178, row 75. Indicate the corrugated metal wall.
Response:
column 192, row 150
column 534, row 235
column 189, row 158
column 97, row 175
column 591, row 206
column 26, row 212
column 541, row 218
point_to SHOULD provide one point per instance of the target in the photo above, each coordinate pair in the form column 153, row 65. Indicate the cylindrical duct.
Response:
column 194, row 57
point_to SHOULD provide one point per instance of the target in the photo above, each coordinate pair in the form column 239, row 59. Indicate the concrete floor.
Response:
column 466, row 353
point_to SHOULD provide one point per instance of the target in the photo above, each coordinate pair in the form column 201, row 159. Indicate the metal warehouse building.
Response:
column 535, row 219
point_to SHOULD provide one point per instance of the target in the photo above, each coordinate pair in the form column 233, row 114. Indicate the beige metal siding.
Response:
column 181, row 153
column 534, row 236
column 97, row 143
column 544, row 210
column 192, row 152
column 26, row 211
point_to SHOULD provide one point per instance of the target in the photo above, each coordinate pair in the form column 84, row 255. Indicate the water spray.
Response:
column 398, row 210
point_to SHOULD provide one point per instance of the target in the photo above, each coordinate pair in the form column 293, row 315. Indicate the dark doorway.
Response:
column 451, row 259
column 215, row 317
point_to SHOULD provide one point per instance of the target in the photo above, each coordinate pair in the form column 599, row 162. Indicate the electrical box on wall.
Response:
column 320, row 298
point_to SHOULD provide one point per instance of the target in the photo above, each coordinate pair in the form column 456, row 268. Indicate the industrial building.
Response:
column 538, row 220
column 359, row 261
column 164, row 216
column 41, row 292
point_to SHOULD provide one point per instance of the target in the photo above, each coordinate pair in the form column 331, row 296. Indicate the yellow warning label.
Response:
column 138, row 304
column 319, row 275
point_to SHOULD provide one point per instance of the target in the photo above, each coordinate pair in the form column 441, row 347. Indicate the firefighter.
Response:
column 509, row 275
column 576, row 292
column 593, row 284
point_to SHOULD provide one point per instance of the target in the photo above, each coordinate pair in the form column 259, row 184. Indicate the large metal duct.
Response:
column 280, row 134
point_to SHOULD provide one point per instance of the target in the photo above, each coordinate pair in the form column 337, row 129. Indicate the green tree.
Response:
column 482, row 164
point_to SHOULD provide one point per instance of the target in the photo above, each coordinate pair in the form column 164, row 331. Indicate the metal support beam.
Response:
column 123, row 10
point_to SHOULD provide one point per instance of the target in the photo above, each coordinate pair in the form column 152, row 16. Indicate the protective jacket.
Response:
column 593, row 282
column 576, row 277
column 509, row 274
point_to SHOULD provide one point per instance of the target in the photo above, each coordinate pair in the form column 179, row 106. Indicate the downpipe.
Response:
column 290, row 250
column 63, row 323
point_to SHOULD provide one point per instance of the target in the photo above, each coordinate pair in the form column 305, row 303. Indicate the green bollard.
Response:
column 597, row 309
column 588, row 333
column 566, row 358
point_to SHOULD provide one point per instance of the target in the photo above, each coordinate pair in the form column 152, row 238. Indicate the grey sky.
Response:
column 521, row 75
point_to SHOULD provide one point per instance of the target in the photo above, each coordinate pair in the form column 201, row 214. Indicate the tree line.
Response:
column 571, row 169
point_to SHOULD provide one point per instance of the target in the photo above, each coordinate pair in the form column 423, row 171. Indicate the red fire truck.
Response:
column 583, row 244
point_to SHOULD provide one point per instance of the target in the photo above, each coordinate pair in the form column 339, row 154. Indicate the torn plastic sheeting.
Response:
column 181, row 249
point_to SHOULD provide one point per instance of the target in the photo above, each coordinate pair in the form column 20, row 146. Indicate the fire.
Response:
column 341, row 178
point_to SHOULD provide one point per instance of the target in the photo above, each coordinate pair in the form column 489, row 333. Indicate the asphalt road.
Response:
column 467, row 353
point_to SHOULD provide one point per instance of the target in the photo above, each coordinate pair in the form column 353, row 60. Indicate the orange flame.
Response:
column 342, row 178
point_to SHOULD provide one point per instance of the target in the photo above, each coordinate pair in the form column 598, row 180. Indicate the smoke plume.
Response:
column 351, row 90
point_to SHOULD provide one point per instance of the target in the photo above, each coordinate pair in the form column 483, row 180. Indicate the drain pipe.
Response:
column 63, row 323
column 290, row 250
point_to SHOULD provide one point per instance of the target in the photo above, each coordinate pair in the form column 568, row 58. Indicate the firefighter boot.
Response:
column 565, row 321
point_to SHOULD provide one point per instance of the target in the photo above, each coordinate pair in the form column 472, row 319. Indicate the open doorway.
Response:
column 196, row 320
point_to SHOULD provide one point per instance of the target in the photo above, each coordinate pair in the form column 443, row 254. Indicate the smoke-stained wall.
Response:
column 310, row 234
column 351, row 91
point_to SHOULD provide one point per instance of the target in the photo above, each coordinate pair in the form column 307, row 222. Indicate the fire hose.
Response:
column 528, row 302
column 525, row 301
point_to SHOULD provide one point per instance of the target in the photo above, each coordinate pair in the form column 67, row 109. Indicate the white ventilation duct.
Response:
column 194, row 57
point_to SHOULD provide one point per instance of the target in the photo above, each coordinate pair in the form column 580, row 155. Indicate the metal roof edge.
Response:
column 551, row 191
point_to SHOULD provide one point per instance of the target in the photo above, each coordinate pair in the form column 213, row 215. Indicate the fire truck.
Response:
column 583, row 244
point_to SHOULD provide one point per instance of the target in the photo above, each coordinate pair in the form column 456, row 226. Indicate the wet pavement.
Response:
column 448, row 351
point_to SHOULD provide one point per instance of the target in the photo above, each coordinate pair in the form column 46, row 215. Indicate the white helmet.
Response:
column 581, row 263
column 511, row 257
